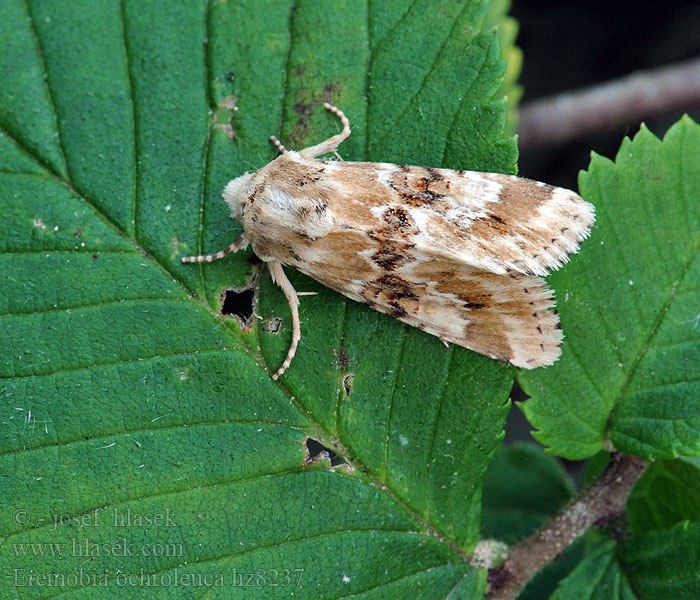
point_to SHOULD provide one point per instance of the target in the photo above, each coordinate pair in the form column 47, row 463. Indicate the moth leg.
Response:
column 332, row 143
column 278, row 276
column 238, row 244
column 277, row 143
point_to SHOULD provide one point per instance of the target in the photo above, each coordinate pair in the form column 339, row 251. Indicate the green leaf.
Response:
column 664, row 564
column 597, row 577
column 629, row 305
column 512, row 55
column 666, row 494
column 523, row 487
column 126, row 392
column 661, row 564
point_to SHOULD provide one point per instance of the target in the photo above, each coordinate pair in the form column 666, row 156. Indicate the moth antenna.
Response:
column 278, row 276
column 343, row 119
column 277, row 143
column 332, row 143
column 238, row 243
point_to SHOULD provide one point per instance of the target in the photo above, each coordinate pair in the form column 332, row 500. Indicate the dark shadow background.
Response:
column 570, row 44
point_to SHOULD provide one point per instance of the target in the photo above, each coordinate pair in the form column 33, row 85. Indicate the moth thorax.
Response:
column 236, row 193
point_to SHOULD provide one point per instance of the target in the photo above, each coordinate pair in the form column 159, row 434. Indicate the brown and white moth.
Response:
column 458, row 254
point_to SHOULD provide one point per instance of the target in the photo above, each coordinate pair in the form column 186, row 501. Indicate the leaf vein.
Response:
column 390, row 397
column 652, row 331
column 127, row 433
column 433, row 433
column 134, row 122
column 423, row 82
column 47, row 79
column 138, row 359
column 78, row 307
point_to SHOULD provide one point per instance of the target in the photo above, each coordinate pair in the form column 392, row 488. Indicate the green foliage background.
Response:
column 124, row 391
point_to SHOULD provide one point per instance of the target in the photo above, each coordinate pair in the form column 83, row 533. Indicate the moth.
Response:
column 458, row 254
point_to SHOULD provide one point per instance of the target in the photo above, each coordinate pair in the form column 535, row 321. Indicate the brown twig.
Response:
column 596, row 506
column 557, row 119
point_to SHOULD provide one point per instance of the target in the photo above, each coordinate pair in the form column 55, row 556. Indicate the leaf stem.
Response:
column 561, row 118
column 596, row 506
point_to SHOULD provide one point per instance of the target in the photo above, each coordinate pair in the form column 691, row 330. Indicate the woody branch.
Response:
column 558, row 119
column 596, row 506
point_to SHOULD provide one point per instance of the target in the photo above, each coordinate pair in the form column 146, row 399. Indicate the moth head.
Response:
column 236, row 193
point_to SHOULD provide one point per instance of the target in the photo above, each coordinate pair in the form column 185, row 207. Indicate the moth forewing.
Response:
column 457, row 254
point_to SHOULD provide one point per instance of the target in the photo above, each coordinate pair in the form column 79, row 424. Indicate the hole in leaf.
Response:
column 239, row 304
column 347, row 383
column 316, row 452
column 274, row 325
